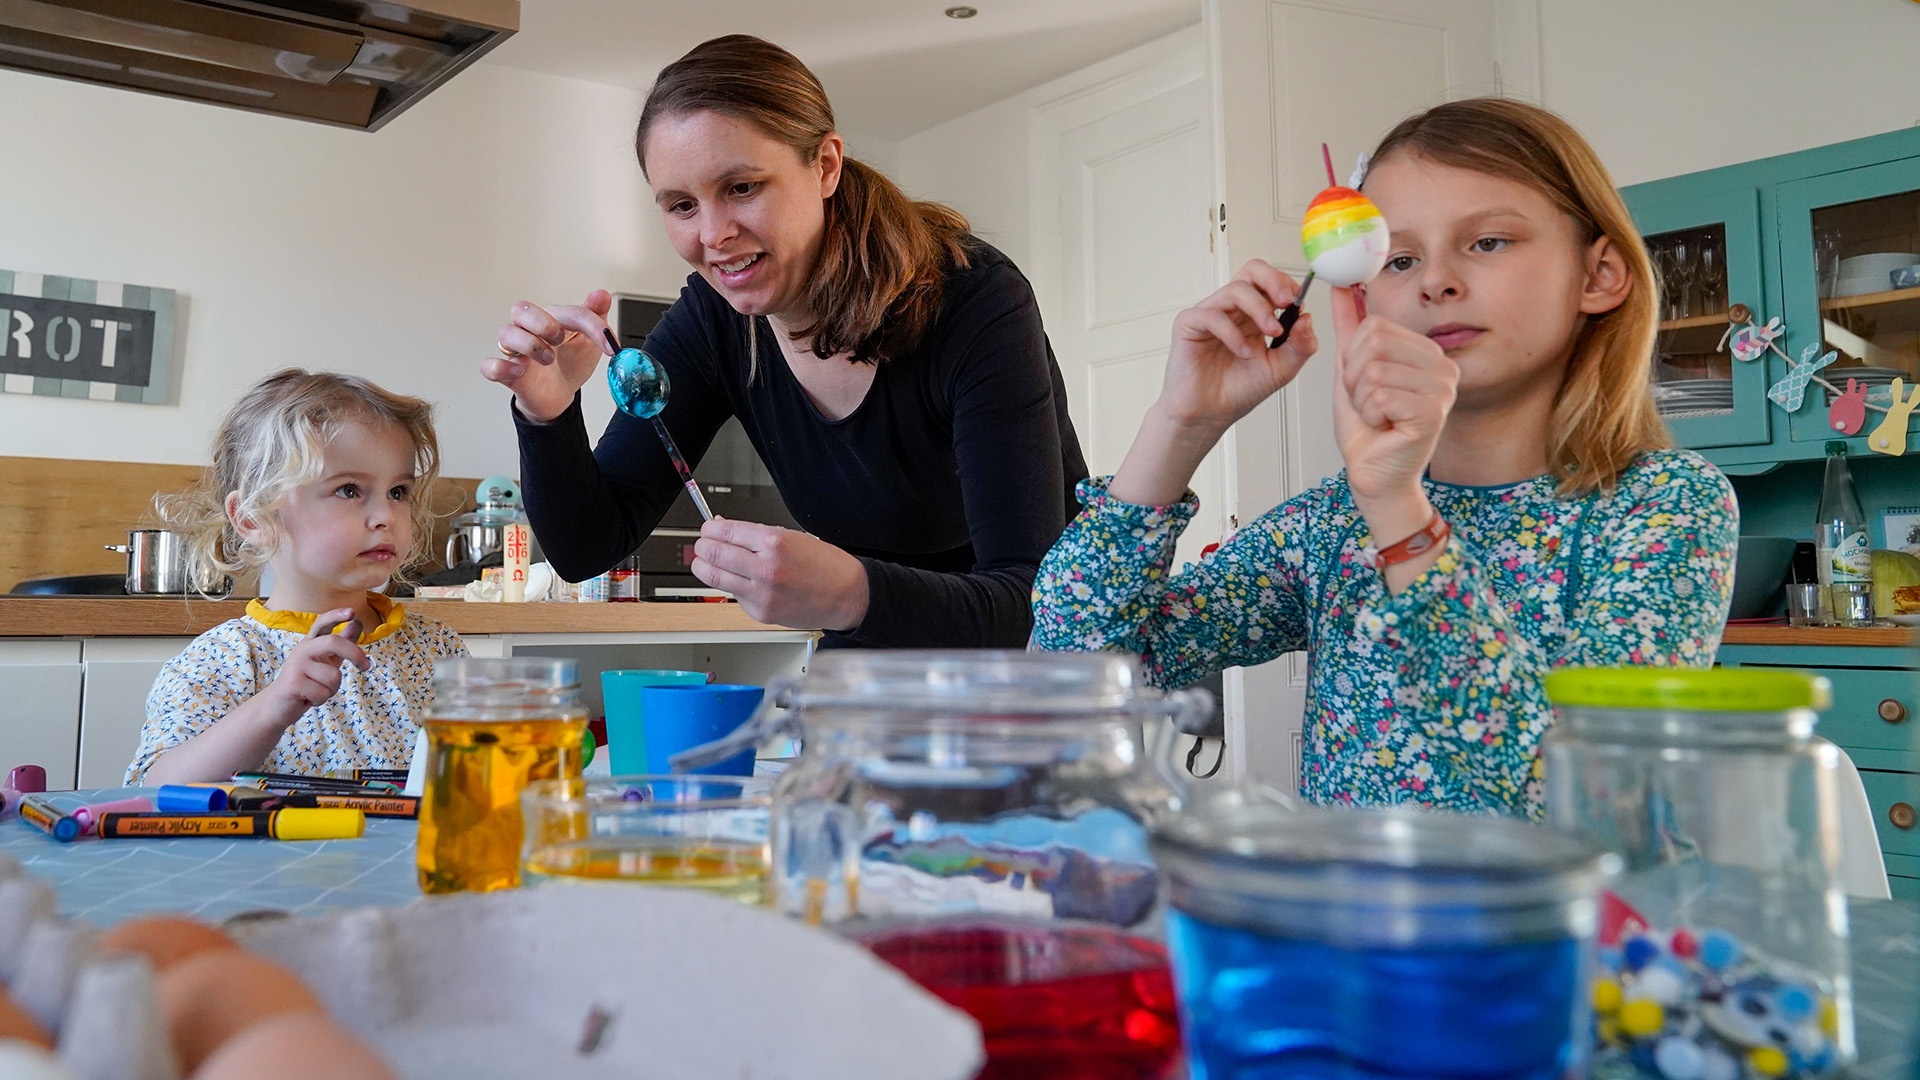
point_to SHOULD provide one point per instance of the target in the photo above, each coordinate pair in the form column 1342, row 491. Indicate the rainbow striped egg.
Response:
column 1345, row 236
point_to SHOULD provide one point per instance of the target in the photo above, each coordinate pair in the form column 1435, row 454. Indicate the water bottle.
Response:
column 1840, row 541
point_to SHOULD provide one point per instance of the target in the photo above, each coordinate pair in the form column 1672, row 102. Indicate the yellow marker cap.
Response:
column 318, row 823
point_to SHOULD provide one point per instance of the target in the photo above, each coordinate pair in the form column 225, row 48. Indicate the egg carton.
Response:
column 569, row 983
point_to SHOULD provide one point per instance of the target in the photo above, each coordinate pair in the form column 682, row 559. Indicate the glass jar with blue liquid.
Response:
column 1724, row 942
column 1378, row 944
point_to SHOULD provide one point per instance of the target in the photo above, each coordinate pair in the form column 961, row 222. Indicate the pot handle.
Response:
column 775, row 718
column 124, row 549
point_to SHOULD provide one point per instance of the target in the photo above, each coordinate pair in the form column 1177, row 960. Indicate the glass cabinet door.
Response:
column 1706, row 252
column 1850, row 270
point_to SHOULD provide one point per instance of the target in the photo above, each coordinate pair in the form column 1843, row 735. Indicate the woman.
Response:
column 890, row 369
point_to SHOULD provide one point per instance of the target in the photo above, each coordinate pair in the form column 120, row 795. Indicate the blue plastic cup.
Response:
column 626, row 723
column 682, row 717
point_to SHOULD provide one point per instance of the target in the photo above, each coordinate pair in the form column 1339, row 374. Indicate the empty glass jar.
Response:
column 1724, row 944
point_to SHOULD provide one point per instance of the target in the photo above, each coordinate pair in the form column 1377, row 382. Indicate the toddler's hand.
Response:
column 312, row 671
column 1392, row 393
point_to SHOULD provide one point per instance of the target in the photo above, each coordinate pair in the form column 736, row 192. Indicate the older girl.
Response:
column 1509, row 503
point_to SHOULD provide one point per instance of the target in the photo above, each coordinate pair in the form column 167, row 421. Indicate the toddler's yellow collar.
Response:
column 392, row 616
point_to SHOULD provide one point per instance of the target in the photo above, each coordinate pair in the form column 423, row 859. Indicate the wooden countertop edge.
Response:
column 165, row 616
column 1782, row 634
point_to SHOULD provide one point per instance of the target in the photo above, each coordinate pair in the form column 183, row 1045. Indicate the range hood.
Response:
column 356, row 63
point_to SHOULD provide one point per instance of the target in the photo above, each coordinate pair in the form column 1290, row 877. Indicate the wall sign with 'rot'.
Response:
column 76, row 338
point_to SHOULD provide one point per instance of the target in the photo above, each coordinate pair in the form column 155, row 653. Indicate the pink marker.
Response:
column 87, row 816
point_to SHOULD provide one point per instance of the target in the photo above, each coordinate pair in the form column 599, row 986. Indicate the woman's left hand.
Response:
column 782, row 576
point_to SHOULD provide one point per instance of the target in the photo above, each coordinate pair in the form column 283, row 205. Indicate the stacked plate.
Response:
column 1689, row 396
column 1872, row 273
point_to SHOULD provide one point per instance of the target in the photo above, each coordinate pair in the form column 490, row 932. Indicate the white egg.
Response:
column 1356, row 261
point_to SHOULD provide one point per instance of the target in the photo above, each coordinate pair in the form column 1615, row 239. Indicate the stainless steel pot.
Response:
column 157, row 565
column 481, row 532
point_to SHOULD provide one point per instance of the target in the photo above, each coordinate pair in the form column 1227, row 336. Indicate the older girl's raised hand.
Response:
column 1220, row 367
column 548, row 354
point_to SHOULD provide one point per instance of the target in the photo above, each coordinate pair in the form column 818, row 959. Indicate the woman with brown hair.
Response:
column 889, row 368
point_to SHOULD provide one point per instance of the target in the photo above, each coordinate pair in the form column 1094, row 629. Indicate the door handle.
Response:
column 1892, row 711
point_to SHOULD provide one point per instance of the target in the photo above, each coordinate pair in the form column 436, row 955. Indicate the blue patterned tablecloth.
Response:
column 108, row 881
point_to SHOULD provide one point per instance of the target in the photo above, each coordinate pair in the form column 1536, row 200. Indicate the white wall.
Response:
column 978, row 164
column 393, row 255
column 1663, row 87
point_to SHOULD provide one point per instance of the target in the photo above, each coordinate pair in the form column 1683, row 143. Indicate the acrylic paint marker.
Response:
column 391, row 776
column 37, row 811
column 389, row 806
column 291, row 782
column 91, row 813
column 189, row 799
column 296, row 824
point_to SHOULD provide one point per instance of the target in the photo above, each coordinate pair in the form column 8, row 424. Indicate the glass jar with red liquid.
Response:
column 979, row 820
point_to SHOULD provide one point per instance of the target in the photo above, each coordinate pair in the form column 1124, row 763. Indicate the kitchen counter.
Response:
column 170, row 616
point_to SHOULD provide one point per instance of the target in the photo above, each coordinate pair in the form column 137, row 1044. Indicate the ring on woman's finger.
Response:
column 508, row 353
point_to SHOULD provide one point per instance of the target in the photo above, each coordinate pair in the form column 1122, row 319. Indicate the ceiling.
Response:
column 891, row 67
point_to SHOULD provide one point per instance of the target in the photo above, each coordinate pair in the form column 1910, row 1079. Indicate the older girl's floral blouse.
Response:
column 369, row 723
column 1433, row 696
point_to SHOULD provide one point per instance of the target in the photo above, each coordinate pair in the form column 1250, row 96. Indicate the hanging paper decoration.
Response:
column 1750, row 342
column 1791, row 391
column 1890, row 437
column 1848, row 413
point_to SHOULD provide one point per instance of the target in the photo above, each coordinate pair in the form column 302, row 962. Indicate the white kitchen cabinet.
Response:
column 119, row 671
column 40, row 683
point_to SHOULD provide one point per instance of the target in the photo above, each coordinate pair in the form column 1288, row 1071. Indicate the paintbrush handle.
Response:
column 1291, row 313
column 680, row 466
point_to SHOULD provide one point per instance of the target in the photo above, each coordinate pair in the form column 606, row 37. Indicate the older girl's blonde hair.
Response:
column 1604, row 416
column 272, row 441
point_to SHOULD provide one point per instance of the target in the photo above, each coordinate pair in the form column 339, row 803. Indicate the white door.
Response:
column 1122, row 237
column 1288, row 75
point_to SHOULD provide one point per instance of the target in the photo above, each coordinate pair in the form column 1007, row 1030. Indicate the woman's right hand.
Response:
column 1220, row 366
column 550, row 353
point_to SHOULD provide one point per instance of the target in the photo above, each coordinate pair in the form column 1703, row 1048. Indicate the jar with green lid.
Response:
column 1724, row 942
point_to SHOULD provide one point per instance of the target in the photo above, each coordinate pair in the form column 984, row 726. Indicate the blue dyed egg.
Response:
column 639, row 385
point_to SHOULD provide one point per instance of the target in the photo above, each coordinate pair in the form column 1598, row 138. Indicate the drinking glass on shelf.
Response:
column 1683, row 272
column 1713, row 279
column 1826, row 260
column 1661, row 254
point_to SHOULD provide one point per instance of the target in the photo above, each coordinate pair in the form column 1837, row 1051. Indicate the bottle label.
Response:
column 1851, row 559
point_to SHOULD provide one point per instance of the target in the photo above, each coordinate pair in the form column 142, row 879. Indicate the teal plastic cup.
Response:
column 620, row 696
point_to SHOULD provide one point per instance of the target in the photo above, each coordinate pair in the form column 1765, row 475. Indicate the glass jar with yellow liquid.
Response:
column 707, row 833
column 495, row 726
